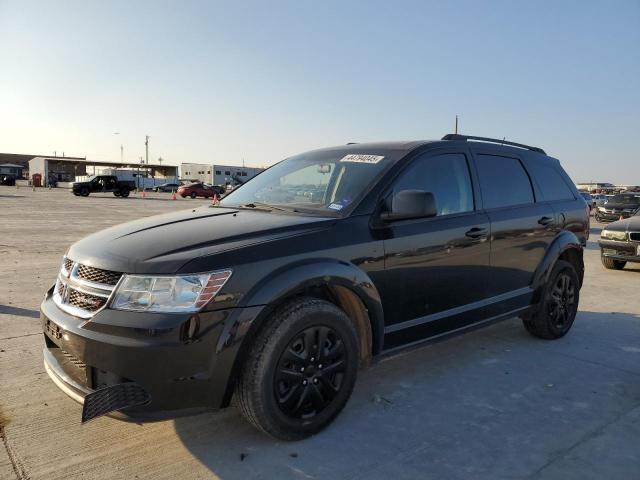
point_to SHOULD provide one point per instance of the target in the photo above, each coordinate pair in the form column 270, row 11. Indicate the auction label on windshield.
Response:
column 358, row 158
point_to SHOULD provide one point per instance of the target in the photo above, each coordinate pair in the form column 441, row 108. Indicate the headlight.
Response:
column 613, row 235
column 602, row 209
column 170, row 294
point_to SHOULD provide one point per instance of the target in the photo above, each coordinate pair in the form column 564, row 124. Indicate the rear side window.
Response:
column 550, row 181
column 446, row 176
column 503, row 181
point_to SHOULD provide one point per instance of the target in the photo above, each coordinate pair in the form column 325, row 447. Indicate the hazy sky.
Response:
column 222, row 82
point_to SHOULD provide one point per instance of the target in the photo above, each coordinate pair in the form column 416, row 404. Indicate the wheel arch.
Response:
column 566, row 246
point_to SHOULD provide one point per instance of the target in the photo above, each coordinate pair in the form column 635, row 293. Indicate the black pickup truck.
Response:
column 103, row 183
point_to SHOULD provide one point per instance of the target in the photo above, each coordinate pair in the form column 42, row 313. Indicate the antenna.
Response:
column 456, row 124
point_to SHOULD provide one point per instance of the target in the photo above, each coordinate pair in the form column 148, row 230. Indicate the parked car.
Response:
column 622, row 205
column 589, row 200
column 102, row 184
column 167, row 187
column 599, row 199
column 194, row 190
column 8, row 179
column 280, row 302
column 620, row 243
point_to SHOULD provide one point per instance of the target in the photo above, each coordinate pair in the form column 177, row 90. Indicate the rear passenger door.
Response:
column 522, row 226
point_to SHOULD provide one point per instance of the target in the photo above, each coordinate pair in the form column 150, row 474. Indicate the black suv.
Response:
column 278, row 297
column 620, row 206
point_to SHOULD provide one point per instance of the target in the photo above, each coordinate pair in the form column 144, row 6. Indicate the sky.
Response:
column 227, row 82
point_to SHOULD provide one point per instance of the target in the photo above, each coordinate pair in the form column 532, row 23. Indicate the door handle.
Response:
column 477, row 232
column 546, row 221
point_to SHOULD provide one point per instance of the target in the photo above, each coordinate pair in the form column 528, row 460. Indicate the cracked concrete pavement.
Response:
column 495, row 403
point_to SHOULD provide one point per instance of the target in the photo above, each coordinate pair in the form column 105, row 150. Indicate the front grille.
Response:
column 85, row 301
column 634, row 236
column 68, row 263
column 97, row 275
column 82, row 290
column 75, row 360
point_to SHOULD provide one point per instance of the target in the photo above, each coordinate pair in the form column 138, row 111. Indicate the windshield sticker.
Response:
column 336, row 206
column 358, row 158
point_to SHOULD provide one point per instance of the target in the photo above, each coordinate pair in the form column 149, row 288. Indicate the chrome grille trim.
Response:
column 69, row 283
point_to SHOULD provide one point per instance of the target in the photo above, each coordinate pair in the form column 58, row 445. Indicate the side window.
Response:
column 503, row 181
column 551, row 183
column 446, row 176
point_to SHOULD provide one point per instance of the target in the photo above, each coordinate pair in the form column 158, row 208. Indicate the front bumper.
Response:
column 181, row 374
column 620, row 250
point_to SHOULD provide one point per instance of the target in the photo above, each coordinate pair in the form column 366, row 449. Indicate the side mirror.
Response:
column 407, row 204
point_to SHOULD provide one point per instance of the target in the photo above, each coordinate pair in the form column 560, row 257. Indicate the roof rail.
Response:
column 455, row 136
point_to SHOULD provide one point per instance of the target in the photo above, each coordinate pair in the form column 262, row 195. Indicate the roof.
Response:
column 11, row 165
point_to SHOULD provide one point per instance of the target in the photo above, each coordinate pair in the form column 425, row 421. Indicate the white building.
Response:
column 216, row 174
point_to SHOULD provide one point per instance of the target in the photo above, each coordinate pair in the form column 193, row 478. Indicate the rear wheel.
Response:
column 116, row 193
column 124, row 193
column 193, row 195
column 300, row 371
column 554, row 315
column 612, row 263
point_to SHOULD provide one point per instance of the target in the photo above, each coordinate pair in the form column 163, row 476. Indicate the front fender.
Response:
column 257, row 304
column 564, row 241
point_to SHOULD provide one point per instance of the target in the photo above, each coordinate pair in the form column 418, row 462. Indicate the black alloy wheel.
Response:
column 310, row 372
column 553, row 316
column 300, row 369
column 562, row 305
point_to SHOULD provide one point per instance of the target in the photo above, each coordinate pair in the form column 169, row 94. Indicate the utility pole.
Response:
column 146, row 146
column 121, row 154
column 456, row 124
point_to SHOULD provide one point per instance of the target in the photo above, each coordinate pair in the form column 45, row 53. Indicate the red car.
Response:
column 194, row 190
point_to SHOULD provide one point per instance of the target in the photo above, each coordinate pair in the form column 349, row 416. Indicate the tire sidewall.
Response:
column 293, row 326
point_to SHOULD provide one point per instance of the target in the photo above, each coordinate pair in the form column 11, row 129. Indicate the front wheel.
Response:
column 611, row 263
column 116, row 193
column 554, row 315
column 300, row 371
column 84, row 192
column 193, row 195
column 124, row 193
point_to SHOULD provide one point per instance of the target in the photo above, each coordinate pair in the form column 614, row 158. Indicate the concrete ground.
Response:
column 495, row 403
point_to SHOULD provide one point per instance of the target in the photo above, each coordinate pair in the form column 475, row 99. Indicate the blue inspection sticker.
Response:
column 336, row 206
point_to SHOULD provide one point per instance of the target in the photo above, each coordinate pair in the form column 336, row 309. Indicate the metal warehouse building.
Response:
column 217, row 174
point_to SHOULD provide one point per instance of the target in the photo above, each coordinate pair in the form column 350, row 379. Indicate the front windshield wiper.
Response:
column 264, row 206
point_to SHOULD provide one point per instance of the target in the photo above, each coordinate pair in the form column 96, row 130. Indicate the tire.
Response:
column 284, row 388
column 124, row 193
column 84, row 192
column 76, row 194
column 116, row 194
column 183, row 196
column 611, row 263
column 193, row 195
column 553, row 317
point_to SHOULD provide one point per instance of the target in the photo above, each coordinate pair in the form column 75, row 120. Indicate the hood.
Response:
column 620, row 206
column 631, row 224
column 163, row 243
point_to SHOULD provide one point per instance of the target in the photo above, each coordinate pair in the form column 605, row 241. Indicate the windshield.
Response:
column 323, row 182
column 626, row 199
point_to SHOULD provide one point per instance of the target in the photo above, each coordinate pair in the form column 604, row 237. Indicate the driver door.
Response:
column 437, row 268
